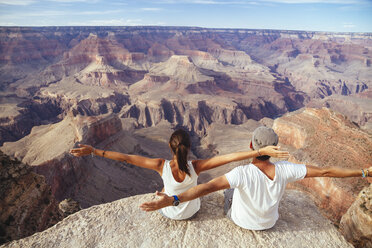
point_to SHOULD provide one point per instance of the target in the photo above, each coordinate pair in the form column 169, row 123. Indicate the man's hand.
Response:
column 82, row 151
column 273, row 151
column 163, row 201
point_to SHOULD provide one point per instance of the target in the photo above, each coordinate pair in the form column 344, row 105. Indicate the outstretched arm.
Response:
column 149, row 163
column 210, row 163
column 313, row 171
column 191, row 194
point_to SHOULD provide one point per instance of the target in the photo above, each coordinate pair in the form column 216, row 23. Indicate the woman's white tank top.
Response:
column 184, row 210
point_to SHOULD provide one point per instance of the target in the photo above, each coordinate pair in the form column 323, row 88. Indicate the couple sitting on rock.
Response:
column 254, row 190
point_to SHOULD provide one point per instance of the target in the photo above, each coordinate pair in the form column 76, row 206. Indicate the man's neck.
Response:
column 266, row 167
column 261, row 164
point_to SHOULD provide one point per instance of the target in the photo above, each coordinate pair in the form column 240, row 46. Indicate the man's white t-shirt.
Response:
column 256, row 197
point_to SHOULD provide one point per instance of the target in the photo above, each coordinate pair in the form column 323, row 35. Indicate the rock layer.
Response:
column 121, row 223
column 89, row 180
column 321, row 137
column 356, row 224
column 26, row 201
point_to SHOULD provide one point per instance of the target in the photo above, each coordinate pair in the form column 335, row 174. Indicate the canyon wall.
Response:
column 99, row 70
column 27, row 204
column 321, row 137
column 356, row 223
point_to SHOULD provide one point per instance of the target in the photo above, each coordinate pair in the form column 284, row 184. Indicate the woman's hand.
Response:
column 273, row 151
column 163, row 201
column 82, row 151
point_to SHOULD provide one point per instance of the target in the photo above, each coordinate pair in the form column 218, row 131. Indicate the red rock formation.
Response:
column 322, row 138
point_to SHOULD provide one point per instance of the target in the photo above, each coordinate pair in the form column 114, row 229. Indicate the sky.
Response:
column 309, row 15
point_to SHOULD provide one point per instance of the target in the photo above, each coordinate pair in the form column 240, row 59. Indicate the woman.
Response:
column 179, row 174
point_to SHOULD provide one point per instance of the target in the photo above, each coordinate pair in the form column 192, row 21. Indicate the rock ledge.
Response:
column 123, row 224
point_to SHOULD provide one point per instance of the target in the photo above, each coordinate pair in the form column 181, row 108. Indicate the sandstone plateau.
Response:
column 123, row 224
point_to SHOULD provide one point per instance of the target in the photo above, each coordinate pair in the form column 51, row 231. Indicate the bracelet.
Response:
column 92, row 153
column 367, row 174
column 363, row 174
column 103, row 154
column 259, row 154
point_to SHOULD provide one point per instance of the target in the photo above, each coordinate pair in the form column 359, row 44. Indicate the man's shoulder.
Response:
column 286, row 166
column 285, row 162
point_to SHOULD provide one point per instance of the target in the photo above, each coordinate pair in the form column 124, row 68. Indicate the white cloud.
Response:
column 29, row 2
column 316, row 1
column 348, row 25
column 7, row 24
column 215, row 2
column 75, row 1
column 257, row 2
column 51, row 13
column 106, row 12
column 205, row 2
column 17, row 2
column 151, row 9
column 112, row 22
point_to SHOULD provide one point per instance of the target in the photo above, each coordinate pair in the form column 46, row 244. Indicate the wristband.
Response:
column 103, row 154
column 176, row 201
column 92, row 153
column 259, row 154
column 363, row 174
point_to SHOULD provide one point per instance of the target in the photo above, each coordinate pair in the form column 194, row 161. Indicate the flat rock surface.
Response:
column 123, row 224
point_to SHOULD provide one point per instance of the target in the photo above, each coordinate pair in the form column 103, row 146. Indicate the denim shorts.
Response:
column 228, row 194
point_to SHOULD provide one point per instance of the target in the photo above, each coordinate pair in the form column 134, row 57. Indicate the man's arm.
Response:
column 313, row 171
column 191, row 194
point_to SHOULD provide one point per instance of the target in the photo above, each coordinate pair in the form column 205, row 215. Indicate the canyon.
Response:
column 127, row 88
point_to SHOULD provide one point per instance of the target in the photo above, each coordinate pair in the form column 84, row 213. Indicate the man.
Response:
column 259, row 186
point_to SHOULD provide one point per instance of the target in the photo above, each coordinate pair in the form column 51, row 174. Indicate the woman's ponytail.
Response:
column 181, row 155
column 180, row 145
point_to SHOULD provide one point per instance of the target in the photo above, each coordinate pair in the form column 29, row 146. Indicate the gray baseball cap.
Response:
column 264, row 136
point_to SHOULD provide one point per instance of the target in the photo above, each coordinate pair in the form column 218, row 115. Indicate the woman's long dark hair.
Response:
column 180, row 145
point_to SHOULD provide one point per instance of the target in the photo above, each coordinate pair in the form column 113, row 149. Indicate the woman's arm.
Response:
column 149, row 163
column 210, row 163
column 195, row 192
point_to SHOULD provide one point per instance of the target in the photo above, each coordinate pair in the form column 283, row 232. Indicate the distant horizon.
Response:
column 191, row 27
column 338, row 16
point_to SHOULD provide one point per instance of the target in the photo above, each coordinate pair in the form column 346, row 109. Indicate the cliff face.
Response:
column 27, row 204
column 323, row 138
column 121, row 223
column 89, row 180
column 357, row 222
